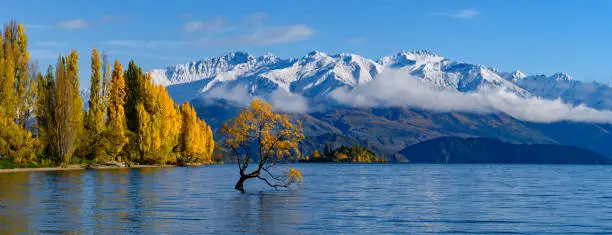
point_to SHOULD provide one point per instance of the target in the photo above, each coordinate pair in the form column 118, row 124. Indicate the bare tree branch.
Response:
column 273, row 185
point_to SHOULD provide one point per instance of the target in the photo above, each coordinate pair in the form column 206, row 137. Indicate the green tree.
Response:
column 46, row 123
column 135, row 88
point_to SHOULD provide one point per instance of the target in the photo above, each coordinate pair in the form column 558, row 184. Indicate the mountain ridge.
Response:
column 317, row 73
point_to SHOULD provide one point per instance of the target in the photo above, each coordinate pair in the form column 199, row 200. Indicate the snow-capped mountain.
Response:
column 316, row 74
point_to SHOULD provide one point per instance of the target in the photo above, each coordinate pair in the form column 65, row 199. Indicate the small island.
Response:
column 343, row 154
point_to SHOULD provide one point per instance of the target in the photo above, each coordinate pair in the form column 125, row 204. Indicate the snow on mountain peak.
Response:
column 517, row 74
column 562, row 77
column 317, row 73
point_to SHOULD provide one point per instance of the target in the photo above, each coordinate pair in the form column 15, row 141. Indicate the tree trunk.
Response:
column 240, row 184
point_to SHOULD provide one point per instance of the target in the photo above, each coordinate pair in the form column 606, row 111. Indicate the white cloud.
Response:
column 288, row 102
column 279, row 98
column 146, row 55
column 258, row 18
column 239, row 94
column 43, row 54
column 463, row 14
column 37, row 26
column 113, row 19
column 73, row 24
column 218, row 33
column 108, row 18
column 356, row 41
column 48, row 44
column 252, row 31
column 399, row 89
column 274, row 35
column 206, row 25
column 145, row 43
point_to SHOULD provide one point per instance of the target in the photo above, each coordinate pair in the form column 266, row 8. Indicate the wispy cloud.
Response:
column 37, row 26
column 43, row 54
column 48, row 44
column 399, row 89
column 219, row 33
column 146, row 55
column 253, row 31
column 145, row 43
column 113, row 19
column 463, row 14
column 108, row 18
column 356, row 41
column 74, row 24
column 205, row 25
column 279, row 98
column 269, row 35
column 258, row 18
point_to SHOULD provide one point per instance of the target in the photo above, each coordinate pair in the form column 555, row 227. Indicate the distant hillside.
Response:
column 485, row 150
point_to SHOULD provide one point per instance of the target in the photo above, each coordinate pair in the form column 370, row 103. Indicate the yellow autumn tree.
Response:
column 114, row 137
column 159, row 125
column 197, row 142
column 68, row 108
column 94, row 122
column 266, row 137
column 22, row 76
column 16, row 142
column 316, row 154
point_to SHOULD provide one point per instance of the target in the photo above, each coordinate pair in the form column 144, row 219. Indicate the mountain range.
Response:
column 316, row 74
column 215, row 87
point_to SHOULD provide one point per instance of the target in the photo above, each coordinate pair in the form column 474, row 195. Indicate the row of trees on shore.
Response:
column 129, row 119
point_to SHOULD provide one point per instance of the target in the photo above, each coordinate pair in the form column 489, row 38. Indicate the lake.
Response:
column 334, row 198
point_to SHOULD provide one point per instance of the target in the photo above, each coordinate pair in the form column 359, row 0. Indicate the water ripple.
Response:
column 335, row 198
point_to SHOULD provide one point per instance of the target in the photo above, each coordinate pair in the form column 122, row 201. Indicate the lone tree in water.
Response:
column 259, row 135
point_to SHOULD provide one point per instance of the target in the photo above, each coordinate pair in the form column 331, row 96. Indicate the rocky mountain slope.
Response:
column 386, row 130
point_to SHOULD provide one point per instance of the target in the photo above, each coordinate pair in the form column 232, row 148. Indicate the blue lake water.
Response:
column 334, row 198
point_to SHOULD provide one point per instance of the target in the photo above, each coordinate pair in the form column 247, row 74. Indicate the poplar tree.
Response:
column 95, row 115
column 116, row 115
column 196, row 140
column 106, row 80
column 22, row 81
column 7, row 88
column 46, row 107
column 159, row 127
column 135, row 88
column 69, row 108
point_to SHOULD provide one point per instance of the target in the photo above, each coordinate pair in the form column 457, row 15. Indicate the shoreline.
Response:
column 80, row 167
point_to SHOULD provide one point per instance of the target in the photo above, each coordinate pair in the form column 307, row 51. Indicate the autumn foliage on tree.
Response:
column 258, row 134
column 196, row 137
column 16, row 142
column 128, row 117
column 159, row 125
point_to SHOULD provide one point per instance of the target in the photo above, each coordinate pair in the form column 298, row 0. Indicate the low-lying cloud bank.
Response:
column 394, row 88
column 399, row 89
column 280, row 99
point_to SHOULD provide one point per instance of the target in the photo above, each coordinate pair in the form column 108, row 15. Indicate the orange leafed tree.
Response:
column 262, row 136
column 196, row 140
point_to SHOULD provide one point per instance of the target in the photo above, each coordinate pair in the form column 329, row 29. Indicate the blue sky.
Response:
column 537, row 37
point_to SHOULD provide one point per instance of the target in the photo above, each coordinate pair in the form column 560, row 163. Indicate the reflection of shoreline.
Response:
column 79, row 167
